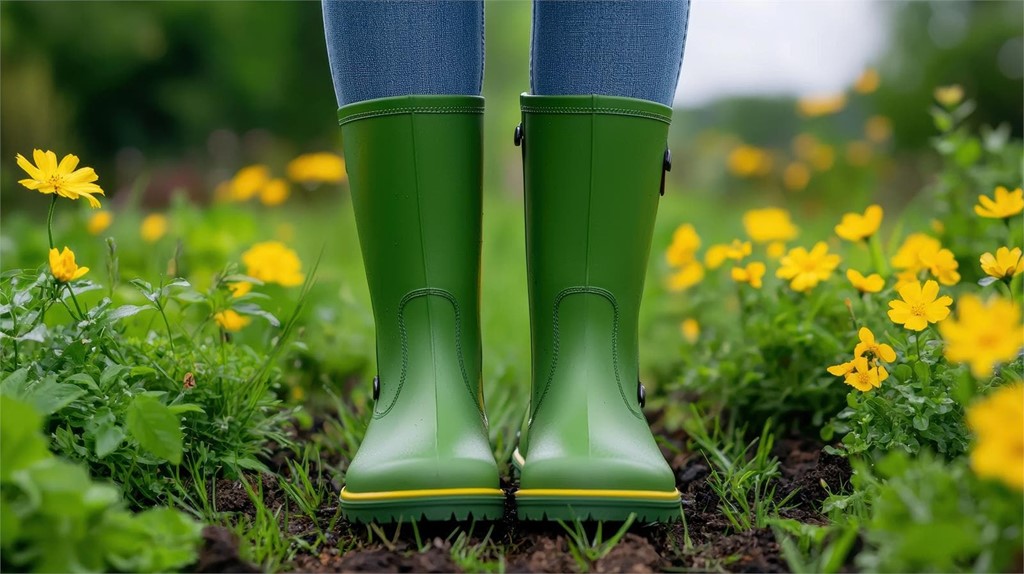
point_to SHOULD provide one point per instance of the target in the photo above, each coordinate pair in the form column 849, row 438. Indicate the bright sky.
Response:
column 799, row 47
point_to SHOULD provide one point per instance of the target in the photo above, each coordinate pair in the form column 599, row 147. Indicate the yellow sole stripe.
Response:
column 591, row 493
column 422, row 493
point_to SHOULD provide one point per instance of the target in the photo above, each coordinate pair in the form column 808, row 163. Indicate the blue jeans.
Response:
column 382, row 48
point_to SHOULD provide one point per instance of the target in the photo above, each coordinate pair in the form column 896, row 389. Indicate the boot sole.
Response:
column 611, row 505
column 433, row 505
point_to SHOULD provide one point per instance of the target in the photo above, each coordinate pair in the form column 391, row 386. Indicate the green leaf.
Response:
column 83, row 378
column 108, row 438
column 46, row 395
column 155, row 427
column 125, row 311
column 254, row 310
column 23, row 445
column 186, row 408
column 111, row 373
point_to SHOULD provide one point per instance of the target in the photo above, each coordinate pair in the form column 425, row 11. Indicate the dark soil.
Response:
column 706, row 542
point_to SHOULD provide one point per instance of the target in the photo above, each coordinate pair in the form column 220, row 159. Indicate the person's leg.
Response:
column 594, row 133
column 385, row 48
column 407, row 75
column 630, row 48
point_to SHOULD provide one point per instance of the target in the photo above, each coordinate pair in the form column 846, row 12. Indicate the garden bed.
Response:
column 707, row 541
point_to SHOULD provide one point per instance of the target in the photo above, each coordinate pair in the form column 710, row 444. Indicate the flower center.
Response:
column 988, row 340
column 56, row 180
column 918, row 309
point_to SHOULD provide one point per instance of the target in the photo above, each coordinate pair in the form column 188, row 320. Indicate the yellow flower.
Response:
column 747, row 161
column 842, row 369
column 273, row 262
column 1005, row 205
column 47, row 177
column 153, row 227
column 752, row 274
column 99, row 222
column 878, row 129
column 857, row 227
column 871, row 284
column 996, row 421
column 63, row 266
column 684, row 246
column 687, row 276
column 905, row 278
column 865, row 377
column 908, row 256
column 919, row 305
column 249, row 181
column 796, row 176
column 949, row 96
column 805, row 269
column 239, row 288
column 322, row 167
column 858, row 153
column 942, row 264
column 275, row 192
column 1004, row 264
column 868, row 345
column 690, row 329
column 776, row 249
column 717, row 254
column 230, row 320
column 983, row 334
column 867, row 82
column 769, row 224
column 813, row 107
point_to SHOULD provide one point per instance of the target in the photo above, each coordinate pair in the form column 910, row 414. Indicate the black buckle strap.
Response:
column 666, row 166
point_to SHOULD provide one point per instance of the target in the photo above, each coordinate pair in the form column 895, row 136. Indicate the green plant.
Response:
column 45, row 497
column 743, row 474
column 930, row 515
column 914, row 409
column 479, row 556
column 810, row 548
column 586, row 549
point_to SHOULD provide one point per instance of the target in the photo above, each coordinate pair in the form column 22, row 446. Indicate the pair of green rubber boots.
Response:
column 594, row 167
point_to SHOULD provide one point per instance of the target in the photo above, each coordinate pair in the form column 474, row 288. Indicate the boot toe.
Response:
column 379, row 474
column 596, row 473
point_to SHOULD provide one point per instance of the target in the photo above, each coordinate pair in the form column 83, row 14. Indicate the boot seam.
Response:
column 411, row 110
column 597, row 110
column 556, row 344
column 404, row 336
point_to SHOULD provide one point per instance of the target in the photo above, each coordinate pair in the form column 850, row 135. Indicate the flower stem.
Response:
column 74, row 300
column 49, row 220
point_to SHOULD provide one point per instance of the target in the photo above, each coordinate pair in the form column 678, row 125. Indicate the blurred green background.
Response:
column 188, row 92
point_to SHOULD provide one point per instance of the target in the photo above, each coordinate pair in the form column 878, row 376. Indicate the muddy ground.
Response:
column 539, row 547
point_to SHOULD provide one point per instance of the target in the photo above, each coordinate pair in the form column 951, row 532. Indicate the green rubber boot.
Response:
column 414, row 165
column 593, row 166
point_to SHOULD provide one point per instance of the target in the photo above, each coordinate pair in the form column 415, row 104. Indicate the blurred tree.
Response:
column 976, row 43
column 161, row 76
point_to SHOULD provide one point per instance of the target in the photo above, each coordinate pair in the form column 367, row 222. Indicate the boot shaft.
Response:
column 415, row 174
column 593, row 167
